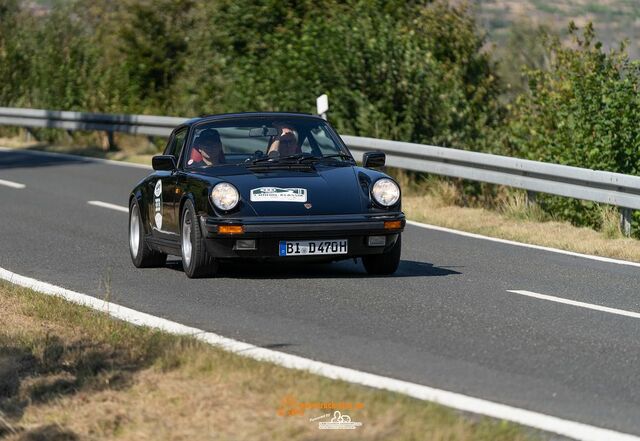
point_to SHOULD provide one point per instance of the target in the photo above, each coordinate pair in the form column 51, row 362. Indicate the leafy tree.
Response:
column 13, row 63
column 583, row 111
column 523, row 50
column 415, row 71
column 152, row 39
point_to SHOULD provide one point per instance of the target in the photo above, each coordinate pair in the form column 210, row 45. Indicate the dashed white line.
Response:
column 536, row 295
column 572, row 429
column 524, row 245
column 11, row 184
column 109, row 206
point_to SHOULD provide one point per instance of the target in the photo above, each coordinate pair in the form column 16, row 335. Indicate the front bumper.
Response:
column 269, row 231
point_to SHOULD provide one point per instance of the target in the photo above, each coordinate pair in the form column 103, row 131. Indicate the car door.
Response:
column 164, row 218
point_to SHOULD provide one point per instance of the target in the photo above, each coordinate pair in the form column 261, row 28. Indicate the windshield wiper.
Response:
column 337, row 155
column 262, row 159
column 297, row 157
column 277, row 158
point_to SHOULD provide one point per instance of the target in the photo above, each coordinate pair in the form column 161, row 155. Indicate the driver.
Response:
column 286, row 143
column 207, row 149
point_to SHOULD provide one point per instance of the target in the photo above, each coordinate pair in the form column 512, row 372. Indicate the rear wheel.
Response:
column 196, row 260
column 385, row 263
column 141, row 254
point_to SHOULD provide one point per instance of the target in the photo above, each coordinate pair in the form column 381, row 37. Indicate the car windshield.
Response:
column 264, row 141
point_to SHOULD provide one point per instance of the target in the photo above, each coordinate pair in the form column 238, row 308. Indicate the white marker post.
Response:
column 322, row 104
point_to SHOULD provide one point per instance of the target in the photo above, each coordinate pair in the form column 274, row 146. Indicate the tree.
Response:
column 583, row 111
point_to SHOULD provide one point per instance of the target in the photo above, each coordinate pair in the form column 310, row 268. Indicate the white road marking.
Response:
column 11, row 184
column 576, row 303
column 526, row 245
column 410, row 222
column 109, row 206
column 466, row 403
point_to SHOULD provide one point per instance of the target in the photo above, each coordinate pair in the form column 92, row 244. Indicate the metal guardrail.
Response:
column 592, row 185
column 56, row 119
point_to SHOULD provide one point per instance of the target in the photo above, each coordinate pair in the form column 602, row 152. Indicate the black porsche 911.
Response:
column 264, row 186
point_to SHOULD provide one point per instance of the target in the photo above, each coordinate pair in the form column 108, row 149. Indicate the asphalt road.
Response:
column 446, row 319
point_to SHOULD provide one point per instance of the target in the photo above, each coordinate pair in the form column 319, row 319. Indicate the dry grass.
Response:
column 68, row 373
column 511, row 216
column 521, row 225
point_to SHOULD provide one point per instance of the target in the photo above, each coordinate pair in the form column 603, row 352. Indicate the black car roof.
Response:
column 243, row 115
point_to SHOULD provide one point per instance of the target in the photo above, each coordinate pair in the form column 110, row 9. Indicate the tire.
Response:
column 142, row 255
column 196, row 260
column 386, row 263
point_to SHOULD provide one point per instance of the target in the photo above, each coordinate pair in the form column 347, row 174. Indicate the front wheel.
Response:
column 196, row 260
column 142, row 255
column 386, row 263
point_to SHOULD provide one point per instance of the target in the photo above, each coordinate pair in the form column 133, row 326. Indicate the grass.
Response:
column 69, row 373
column 509, row 215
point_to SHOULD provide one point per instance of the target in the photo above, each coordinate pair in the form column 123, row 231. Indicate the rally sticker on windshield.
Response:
column 276, row 194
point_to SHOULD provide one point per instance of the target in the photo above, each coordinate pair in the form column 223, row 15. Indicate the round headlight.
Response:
column 385, row 192
column 224, row 196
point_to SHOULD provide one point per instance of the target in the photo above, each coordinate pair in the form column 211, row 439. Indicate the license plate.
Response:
column 313, row 247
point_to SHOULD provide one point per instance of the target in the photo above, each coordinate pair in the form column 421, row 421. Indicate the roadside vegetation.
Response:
column 509, row 214
column 419, row 71
column 71, row 373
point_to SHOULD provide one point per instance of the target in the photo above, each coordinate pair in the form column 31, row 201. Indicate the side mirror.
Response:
column 373, row 159
column 164, row 162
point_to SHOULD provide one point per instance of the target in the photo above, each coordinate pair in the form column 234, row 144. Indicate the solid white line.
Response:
column 537, row 420
column 11, row 184
column 109, row 206
column 526, row 245
column 576, row 303
column 76, row 157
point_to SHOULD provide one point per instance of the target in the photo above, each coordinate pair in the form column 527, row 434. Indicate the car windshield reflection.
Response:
column 265, row 141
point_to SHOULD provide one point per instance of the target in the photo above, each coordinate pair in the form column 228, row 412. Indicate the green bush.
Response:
column 581, row 111
column 412, row 70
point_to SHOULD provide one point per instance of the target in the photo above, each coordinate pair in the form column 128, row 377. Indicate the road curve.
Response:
column 449, row 318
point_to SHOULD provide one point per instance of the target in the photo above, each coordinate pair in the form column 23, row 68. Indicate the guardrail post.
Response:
column 625, row 221
column 152, row 142
column 111, row 142
column 30, row 134
column 531, row 198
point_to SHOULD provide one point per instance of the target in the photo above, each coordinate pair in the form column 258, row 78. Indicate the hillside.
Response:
column 614, row 20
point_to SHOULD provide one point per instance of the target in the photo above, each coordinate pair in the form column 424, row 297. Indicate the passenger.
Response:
column 207, row 149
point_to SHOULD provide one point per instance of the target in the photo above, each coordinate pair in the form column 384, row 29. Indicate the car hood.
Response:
column 317, row 191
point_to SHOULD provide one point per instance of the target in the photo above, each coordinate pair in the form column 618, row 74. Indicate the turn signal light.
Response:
column 230, row 229
column 392, row 225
